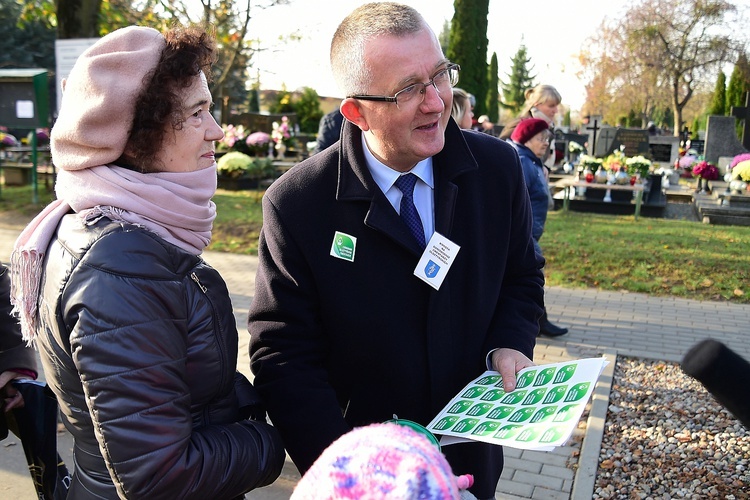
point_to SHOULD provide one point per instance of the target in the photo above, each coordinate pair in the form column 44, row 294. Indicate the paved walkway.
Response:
column 601, row 323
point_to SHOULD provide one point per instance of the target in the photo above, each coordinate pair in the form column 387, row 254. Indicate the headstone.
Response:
column 743, row 113
column 594, row 125
column 563, row 140
column 665, row 149
column 699, row 145
column 567, row 137
column 634, row 142
column 721, row 138
column 606, row 137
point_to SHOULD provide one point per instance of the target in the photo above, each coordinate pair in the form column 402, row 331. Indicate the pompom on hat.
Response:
column 381, row 461
column 528, row 128
column 98, row 100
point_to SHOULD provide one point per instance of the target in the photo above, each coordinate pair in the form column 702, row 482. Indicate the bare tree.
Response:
column 686, row 37
column 660, row 52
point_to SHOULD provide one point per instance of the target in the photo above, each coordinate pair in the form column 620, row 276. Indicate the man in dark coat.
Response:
column 329, row 130
column 17, row 360
column 343, row 333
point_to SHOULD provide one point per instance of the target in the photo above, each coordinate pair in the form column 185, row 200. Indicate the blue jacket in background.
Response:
column 536, row 183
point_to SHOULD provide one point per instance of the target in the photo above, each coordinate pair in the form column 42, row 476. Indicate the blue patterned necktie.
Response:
column 409, row 214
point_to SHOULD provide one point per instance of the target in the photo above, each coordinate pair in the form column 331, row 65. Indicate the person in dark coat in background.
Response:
column 329, row 130
column 531, row 138
column 343, row 333
column 17, row 360
column 135, row 331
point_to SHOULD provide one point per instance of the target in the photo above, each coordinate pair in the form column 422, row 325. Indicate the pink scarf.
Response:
column 176, row 206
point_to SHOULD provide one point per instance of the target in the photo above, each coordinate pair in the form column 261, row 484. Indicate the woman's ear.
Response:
column 351, row 110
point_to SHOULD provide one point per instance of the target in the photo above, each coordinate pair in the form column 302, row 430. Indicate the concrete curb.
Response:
column 588, row 461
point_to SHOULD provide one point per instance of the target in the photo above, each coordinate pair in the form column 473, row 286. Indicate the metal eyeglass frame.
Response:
column 450, row 70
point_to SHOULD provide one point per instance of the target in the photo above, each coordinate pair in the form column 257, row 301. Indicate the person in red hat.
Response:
column 531, row 138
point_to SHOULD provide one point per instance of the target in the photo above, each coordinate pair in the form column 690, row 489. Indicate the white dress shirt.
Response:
column 385, row 177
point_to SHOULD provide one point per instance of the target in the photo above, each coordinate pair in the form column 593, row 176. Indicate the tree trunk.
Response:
column 77, row 18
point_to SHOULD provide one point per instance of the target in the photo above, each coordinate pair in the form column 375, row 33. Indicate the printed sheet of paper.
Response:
column 540, row 414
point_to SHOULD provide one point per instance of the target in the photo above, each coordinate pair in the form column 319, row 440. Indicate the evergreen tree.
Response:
column 308, row 110
column 697, row 125
column 657, row 116
column 633, row 119
column 444, row 37
column 493, row 94
column 719, row 101
column 739, row 83
column 283, row 102
column 519, row 80
column 28, row 44
column 25, row 43
column 668, row 120
column 566, row 118
column 468, row 47
column 739, row 86
column 254, row 99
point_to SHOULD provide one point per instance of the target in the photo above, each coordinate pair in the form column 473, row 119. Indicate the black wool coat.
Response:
column 337, row 344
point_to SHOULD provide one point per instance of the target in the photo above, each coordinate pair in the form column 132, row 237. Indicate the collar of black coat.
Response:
column 356, row 182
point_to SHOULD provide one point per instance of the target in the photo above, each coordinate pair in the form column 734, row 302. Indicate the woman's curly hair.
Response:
column 159, row 108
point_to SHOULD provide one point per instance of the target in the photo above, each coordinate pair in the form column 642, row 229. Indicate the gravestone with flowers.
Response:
column 721, row 139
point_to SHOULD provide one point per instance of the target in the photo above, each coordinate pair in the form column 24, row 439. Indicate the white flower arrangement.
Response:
column 575, row 148
column 591, row 162
column 638, row 164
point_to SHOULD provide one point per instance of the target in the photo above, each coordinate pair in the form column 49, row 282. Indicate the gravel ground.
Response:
column 666, row 437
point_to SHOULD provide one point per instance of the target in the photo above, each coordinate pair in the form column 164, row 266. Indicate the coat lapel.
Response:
column 356, row 184
column 455, row 159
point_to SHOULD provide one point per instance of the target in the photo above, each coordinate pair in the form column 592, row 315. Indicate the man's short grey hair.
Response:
column 364, row 23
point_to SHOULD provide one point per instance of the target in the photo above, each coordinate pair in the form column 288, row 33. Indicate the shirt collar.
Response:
column 384, row 176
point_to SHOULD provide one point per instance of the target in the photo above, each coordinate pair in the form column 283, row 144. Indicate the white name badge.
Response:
column 436, row 260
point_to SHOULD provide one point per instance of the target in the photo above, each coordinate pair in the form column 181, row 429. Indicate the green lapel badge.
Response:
column 343, row 246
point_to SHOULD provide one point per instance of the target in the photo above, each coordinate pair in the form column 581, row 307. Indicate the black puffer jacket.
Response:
column 138, row 341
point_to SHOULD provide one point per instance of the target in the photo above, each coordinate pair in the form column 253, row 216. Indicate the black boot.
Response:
column 548, row 329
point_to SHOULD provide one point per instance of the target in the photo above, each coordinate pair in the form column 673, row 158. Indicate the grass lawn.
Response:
column 653, row 256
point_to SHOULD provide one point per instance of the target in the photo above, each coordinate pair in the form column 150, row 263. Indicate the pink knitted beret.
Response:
column 98, row 100
column 528, row 128
column 380, row 461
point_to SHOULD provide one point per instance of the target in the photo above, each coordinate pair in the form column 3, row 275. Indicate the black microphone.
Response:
column 723, row 373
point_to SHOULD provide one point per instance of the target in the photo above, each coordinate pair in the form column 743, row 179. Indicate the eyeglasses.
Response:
column 543, row 138
column 443, row 81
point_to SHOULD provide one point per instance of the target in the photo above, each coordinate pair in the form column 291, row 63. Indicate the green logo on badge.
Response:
column 465, row 425
column 479, row 409
column 473, row 392
column 490, row 379
column 343, row 246
column 459, row 406
column 493, row 395
column 564, row 374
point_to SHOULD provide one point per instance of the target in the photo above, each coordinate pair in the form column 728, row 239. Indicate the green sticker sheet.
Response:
column 540, row 414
